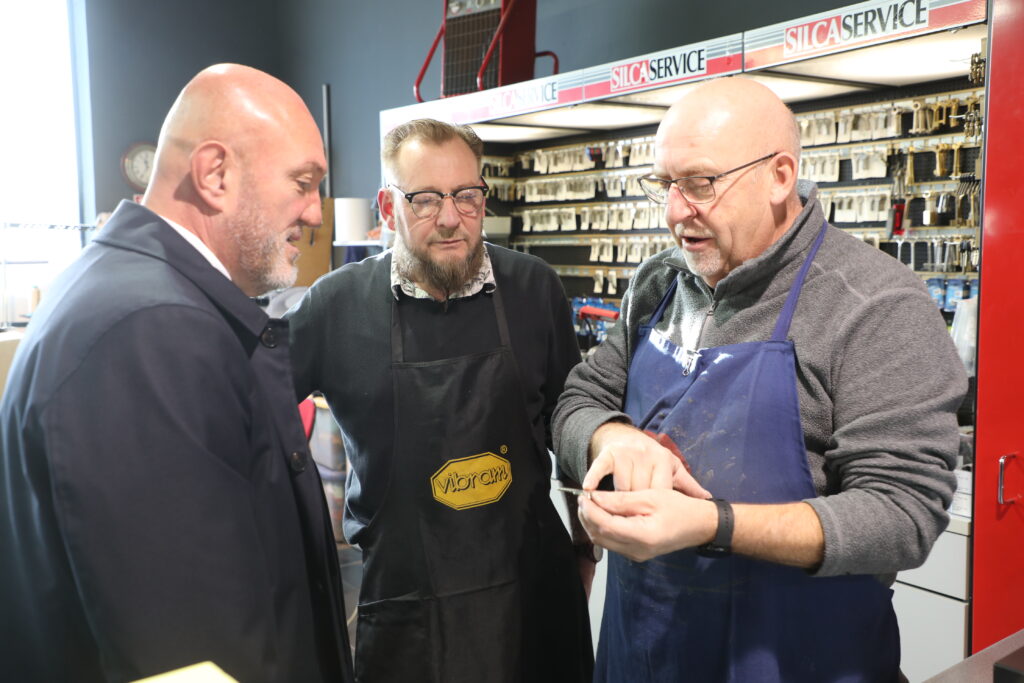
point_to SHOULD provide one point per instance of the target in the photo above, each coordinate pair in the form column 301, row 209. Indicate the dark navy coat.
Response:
column 159, row 504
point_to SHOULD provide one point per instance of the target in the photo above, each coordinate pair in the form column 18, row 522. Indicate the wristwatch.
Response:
column 721, row 544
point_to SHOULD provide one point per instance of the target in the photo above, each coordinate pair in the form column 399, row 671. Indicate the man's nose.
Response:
column 448, row 215
column 677, row 207
column 313, row 214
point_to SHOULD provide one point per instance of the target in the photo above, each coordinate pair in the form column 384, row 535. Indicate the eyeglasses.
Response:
column 427, row 203
column 696, row 189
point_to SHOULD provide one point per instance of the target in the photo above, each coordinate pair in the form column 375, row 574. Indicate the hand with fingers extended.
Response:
column 646, row 524
column 638, row 460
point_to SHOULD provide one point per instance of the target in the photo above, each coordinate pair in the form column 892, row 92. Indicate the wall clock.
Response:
column 137, row 164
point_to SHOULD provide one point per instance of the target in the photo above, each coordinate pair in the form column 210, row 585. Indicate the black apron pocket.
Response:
column 480, row 632
column 462, row 638
column 394, row 642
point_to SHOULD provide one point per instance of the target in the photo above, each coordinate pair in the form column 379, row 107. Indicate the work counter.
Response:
column 978, row 668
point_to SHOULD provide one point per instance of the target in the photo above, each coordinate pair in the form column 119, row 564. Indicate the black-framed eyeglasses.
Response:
column 469, row 201
column 697, row 189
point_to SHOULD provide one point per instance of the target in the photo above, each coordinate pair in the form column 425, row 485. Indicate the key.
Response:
column 622, row 251
column 930, row 214
column 936, row 245
column 899, row 249
column 937, row 117
column 806, row 132
column 954, row 172
column 951, row 256
column 944, row 204
column 917, row 121
column 975, row 202
column 940, row 160
column 961, row 192
column 965, row 255
column 954, row 110
column 845, row 127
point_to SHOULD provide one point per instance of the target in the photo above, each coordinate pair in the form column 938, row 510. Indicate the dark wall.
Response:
column 370, row 53
column 141, row 54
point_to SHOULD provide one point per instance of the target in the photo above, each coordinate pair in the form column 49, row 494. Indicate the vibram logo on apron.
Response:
column 472, row 481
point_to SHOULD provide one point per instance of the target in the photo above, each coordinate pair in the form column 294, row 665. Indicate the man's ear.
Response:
column 210, row 165
column 784, row 177
column 387, row 207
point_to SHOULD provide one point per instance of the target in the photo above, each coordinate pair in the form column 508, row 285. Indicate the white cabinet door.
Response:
column 933, row 631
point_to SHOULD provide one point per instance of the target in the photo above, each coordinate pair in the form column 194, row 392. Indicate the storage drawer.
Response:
column 933, row 631
column 946, row 570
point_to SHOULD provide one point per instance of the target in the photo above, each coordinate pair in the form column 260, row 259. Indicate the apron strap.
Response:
column 660, row 310
column 786, row 316
column 397, row 352
column 499, row 312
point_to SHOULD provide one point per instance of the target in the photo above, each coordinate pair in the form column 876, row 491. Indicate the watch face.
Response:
column 137, row 165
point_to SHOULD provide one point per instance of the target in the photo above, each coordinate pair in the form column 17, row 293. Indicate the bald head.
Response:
column 740, row 137
column 238, row 163
column 738, row 109
column 235, row 105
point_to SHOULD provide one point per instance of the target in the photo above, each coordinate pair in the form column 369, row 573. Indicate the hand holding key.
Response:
column 637, row 461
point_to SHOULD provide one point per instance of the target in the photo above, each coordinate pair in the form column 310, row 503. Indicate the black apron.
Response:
column 469, row 574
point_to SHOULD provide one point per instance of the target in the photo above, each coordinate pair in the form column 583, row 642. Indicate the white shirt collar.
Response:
column 199, row 245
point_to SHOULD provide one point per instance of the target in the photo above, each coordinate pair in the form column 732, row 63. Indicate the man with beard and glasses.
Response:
column 442, row 361
column 160, row 507
column 802, row 378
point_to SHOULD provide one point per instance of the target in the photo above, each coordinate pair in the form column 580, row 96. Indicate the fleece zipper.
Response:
column 693, row 354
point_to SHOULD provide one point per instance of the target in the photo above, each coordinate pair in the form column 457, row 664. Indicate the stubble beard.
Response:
column 445, row 276
column 262, row 254
column 707, row 264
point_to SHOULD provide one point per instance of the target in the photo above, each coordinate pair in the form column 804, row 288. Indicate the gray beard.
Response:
column 442, row 277
column 261, row 250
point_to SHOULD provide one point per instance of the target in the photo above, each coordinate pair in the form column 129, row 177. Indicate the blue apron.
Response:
column 683, row 617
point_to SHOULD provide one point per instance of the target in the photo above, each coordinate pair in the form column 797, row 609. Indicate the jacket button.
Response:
column 297, row 461
column 268, row 338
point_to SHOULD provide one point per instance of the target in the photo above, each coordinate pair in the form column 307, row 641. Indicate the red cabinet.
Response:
column 998, row 563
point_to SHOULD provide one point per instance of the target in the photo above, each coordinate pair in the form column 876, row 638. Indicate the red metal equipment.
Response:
column 487, row 43
column 597, row 313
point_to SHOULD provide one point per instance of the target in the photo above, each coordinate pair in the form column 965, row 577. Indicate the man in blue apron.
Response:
column 442, row 361
column 777, row 413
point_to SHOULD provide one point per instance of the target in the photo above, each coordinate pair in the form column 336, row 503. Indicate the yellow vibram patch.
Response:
column 472, row 481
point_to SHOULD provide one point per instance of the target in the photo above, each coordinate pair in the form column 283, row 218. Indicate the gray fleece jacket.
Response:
column 878, row 378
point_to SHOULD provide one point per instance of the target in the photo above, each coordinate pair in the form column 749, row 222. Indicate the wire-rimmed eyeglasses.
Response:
column 469, row 201
column 696, row 189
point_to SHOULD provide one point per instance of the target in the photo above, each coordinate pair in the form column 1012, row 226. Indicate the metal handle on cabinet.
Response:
column 1002, row 469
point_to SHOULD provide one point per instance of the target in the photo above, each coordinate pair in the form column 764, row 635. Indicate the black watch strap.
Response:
column 721, row 544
